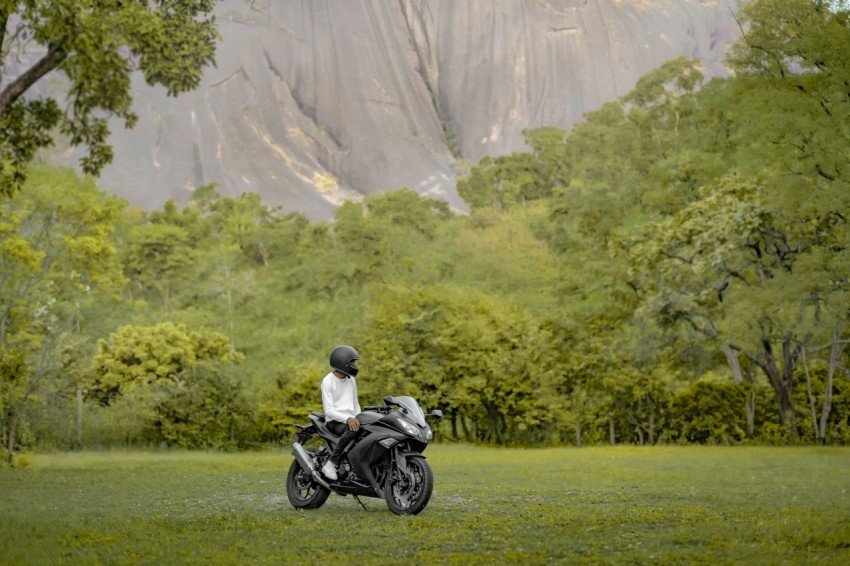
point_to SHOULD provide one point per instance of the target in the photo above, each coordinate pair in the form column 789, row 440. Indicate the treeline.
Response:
column 675, row 269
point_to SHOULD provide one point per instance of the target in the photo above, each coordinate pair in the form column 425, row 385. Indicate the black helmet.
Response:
column 344, row 359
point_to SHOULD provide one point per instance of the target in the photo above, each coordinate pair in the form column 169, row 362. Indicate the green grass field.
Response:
column 661, row 505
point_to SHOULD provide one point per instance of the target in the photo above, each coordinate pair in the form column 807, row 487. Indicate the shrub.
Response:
column 709, row 411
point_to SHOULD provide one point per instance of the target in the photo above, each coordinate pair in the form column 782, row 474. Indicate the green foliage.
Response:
column 476, row 358
column 181, row 376
column 96, row 46
column 26, row 127
column 722, row 211
column 211, row 412
column 295, row 395
column 136, row 356
column 478, row 190
column 155, row 256
column 743, row 261
column 520, row 178
column 673, row 269
column 709, row 411
column 809, row 399
column 55, row 253
column 404, row 209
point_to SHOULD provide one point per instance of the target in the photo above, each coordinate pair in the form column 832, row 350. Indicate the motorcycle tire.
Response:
column 408, row 494
column 303, row 492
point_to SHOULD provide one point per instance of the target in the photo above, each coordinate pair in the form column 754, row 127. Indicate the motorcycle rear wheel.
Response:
column 409, row 493
column 302, row 490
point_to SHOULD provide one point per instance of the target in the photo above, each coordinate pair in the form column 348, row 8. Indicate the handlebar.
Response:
column 386, row 409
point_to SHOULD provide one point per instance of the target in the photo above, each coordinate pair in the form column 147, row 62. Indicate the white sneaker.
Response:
column 329, row 470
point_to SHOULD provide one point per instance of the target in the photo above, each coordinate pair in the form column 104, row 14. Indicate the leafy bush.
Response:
column 295, row 395
column 709, row 412
column 211, row 411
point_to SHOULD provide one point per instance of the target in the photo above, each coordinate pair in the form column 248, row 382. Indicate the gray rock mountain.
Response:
column 316, row 101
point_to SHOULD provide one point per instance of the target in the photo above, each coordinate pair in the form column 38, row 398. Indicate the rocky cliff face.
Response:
column 317, row 101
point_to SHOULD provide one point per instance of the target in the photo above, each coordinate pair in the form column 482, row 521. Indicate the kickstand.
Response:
column 361, row 503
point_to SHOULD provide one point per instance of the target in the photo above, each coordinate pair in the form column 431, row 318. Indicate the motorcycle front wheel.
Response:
column 303, row 492
column 407, row 492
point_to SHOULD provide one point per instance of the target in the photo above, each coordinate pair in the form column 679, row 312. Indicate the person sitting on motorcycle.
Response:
column 340, row 404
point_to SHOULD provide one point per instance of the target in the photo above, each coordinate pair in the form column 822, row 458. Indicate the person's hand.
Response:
column 353, row 424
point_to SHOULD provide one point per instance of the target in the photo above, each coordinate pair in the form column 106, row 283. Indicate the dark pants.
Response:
column 348, row 435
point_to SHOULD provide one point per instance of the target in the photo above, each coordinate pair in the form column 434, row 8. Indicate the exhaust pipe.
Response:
column 307, row 463
column 303, row 458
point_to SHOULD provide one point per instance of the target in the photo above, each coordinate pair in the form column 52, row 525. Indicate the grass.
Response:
column 661, row 505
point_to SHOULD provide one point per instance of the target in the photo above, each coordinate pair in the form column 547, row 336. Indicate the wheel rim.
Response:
column 305, row 487
column 406, row 487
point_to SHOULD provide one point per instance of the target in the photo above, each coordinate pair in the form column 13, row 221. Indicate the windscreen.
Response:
column 414, row 413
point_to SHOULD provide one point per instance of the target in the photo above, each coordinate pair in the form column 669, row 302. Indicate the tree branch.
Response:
column 668, row 255
column 707, row 328
column 4, row 20
column 758, row 363
column 17, row 88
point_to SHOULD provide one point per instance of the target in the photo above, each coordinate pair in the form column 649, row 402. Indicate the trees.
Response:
column 156, row 255
column 55, row 251
column 757, row 261
column 294, row 395
column 180, row 374
column 599, row 285
column 724, row 266
column 726, row 214
column 96, row 46
column 481, row 360
column 517, row 179
column 379, row 239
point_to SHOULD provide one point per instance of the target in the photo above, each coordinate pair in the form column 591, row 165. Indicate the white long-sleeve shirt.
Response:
column 339, row 398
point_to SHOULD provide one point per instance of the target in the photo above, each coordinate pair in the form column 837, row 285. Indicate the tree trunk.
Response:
column 834, row 357
column 454, row 425
column 612, row 437
column 79, row 418
column 10, row 441
column 639, row 431
column 813, row 412
column 464, row 427
column 751, row 412
column 651, row 429
column 494, row 428
column 578, row 434
column 782, row 380
column 734, row 362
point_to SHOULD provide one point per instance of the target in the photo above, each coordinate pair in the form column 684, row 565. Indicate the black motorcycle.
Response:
column 385, row 459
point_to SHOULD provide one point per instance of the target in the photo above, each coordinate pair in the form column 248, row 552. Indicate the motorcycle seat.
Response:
column 319, row 415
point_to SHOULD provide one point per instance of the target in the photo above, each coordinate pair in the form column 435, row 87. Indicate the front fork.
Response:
column 399, row 471
column 400, row 464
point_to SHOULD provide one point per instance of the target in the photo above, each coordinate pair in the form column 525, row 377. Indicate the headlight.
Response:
column 408, row 428
column 428, row 434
